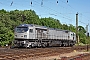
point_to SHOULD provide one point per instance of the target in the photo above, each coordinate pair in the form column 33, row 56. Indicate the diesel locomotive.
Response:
column 31, row 35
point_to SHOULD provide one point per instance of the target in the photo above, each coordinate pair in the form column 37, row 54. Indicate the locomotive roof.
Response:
column 38, row 26
column 58, row 29
column 26, row 25
column 31, row 25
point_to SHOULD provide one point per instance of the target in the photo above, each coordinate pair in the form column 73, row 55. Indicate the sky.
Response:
column 62, row 10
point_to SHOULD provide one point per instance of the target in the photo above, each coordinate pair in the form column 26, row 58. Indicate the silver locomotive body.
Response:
column 30, row 35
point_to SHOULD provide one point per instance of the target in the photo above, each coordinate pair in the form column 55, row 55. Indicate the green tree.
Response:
column 72, row 28
column 65, row 27
column 82, row 34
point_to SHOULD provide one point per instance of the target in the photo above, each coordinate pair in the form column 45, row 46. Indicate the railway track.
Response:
column 15, row 54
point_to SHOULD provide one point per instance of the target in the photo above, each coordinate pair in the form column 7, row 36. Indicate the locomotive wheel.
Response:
column 71, row 45
column 62, row 45
column 43, row 45
column 30, row 46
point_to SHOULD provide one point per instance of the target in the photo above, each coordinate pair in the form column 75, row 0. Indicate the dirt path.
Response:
column 74, row 53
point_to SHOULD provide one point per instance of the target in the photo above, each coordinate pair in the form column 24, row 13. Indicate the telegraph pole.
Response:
column 87, row 33
column 77, row 28
column 87, row 30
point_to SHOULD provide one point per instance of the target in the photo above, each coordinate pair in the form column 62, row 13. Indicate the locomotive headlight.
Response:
column 25, row 36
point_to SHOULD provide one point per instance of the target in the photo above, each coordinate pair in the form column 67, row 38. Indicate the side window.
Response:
column 31, row 30
column 73, row 34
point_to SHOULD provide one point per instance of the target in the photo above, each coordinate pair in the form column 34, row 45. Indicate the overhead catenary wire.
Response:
column 75, row 10
column 63, row 16
column 57, row 13
column 42, row 3
column 57, row 1
column 0, row 2
column 8, row 4
column 67, row 1
column 11, row 3
column 31, row 4
column 15, row 4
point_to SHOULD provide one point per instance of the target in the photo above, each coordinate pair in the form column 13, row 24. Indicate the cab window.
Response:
column 21, row 29
column 31, row 30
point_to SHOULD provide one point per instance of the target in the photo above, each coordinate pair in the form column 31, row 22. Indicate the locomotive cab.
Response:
column 22, row 34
